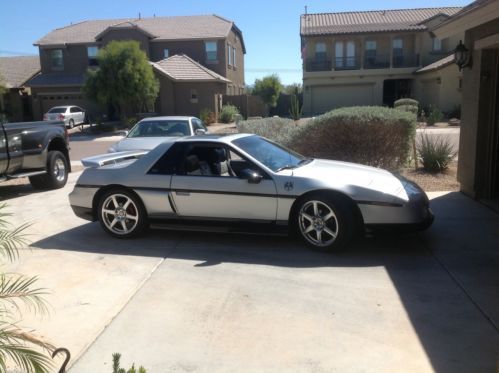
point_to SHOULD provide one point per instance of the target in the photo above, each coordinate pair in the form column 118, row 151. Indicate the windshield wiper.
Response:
column 286, row 167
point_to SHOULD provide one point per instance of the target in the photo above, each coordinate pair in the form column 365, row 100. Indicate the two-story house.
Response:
column 376, row 57
column 196, row 59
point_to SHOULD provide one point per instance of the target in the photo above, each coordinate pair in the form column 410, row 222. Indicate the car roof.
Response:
column 62, row 106
column 166, row 118
column 221, row 138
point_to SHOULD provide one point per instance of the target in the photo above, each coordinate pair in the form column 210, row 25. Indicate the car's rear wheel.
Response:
column 57, row 172
column 122, row 214
column 325, row 223
column 71, row 123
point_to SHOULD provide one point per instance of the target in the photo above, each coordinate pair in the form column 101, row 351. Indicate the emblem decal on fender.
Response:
column 288, row 185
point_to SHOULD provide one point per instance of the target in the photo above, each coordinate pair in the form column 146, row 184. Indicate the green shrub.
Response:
column 370, row 135
column 434, row 115
column 405, row 102
column 228, row 113
column 130, row 122
column 435, row 153
column 455, row 112
column 207, row 116
column 118, row 369
column 275, row 129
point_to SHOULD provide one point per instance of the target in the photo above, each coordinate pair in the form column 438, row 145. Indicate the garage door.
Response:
column 326, row 98
column 50, row 100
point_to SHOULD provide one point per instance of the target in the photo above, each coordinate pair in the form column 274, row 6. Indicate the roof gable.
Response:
column 183, row 68
column 370, row 21
column 15, row 71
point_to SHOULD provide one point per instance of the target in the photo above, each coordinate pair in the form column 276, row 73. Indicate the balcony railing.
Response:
column 318, row 65
column 377, row 61
column 405, row 60
column 347, row 63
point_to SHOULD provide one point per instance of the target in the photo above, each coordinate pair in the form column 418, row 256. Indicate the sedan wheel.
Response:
column 325, row 224
column 121, row 214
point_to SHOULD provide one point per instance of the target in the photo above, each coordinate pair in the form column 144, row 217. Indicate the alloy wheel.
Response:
column 120, row 214
column 318, row 223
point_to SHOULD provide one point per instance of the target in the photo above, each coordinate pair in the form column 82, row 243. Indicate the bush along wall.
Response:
column 276, row 129
column 369, row 135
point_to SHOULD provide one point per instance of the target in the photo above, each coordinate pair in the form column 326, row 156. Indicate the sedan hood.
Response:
column 357, row 178
column 139, row 143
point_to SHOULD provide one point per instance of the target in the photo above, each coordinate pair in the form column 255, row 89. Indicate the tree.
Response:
column 124, row 80
column 293, row 89
column 18, row 293
column 269, row 88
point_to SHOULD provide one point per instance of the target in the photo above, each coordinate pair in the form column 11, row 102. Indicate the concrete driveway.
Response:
column 199, row 302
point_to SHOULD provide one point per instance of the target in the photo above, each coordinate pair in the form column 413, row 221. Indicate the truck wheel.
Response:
column 57, row 172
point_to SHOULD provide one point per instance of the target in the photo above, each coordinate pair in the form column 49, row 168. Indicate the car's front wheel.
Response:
column 325, row 223
column 122, row 214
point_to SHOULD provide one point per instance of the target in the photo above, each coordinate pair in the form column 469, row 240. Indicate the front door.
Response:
column 205, row 186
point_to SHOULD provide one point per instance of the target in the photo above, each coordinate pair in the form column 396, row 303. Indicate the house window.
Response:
column 398, row 52
column 56, row 60
column 437, row 45
column 345, row 54
column 194, row 96
column 320, row 51
column 233, row 56
column 371, row 52
column 338, row 52
column 211, row 50
column 166, row 53
column 92, row 55
column 229, row 54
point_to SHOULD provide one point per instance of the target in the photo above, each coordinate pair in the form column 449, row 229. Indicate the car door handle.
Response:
column 182, row 193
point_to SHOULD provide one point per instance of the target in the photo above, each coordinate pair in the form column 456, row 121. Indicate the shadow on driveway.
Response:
column 447, row 277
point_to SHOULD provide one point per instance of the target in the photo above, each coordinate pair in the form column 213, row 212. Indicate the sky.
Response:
column 271, row 28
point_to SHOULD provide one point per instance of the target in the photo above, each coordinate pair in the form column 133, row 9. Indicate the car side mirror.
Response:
column 123, row 133
column 253, row 177
column 200, row 131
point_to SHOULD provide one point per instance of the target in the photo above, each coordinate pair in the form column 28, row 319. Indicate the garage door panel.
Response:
column 326, row 98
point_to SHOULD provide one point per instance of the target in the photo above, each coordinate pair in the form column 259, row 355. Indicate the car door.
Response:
column 4, row 159
column 211, row 194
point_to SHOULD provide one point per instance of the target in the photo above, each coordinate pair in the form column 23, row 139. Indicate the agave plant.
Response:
column 19, row 293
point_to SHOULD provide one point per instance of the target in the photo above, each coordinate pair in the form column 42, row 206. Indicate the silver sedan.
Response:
column 70, row 115
column 244, row 182
column 150, row 132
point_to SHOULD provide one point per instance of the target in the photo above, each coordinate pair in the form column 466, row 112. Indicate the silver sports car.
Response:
column 243, row 181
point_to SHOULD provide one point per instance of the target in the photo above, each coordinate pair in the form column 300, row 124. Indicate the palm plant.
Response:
column 17, row 294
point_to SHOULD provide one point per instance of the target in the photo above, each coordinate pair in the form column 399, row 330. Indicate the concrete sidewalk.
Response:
column 424, row 302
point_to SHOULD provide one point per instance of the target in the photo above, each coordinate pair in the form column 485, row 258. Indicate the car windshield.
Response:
column 58, row 110
column 272, row 155
column 159, row 128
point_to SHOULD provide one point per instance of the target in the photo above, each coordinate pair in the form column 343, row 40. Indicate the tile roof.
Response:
column 183, row 68
column 14, row 71
column 446, row 61
column 56, row 79
column 162, row 28
column 370, row 21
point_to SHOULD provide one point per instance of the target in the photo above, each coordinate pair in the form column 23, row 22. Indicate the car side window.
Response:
column 205, row 160
column 168, row 163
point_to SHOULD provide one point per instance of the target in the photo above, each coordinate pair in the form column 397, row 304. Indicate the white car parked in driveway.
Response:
column 70, row 115
column 150, row 132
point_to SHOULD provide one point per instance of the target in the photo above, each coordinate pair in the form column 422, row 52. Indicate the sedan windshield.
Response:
column 160, row 128
column 272, row 155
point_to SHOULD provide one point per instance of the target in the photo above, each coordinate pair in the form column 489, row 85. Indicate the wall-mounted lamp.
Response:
column 462, row 56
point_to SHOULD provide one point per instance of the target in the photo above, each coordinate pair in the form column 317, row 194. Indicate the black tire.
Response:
column 342, row 223
column 71, row 124
column 135, row 209
column 57, row 172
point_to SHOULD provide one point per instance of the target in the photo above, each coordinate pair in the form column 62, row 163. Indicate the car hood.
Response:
column 139, row 143
column 358, row 179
